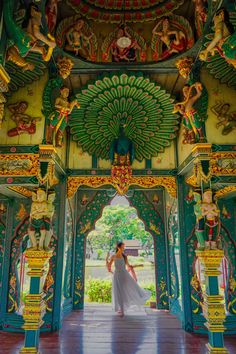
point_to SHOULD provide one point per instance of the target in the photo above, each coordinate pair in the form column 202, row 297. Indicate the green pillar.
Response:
column 34, row 304
column 213, row 307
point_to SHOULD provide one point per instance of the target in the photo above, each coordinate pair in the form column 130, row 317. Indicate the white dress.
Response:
column 126, row 292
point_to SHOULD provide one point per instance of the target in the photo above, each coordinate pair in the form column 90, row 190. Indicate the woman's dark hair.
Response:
column 227, row 22
column 118, row 245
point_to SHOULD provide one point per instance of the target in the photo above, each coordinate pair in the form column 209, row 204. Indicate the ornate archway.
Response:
column 147, row 211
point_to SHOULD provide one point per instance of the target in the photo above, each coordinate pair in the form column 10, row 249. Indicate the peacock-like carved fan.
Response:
column 217, row 65
column 133, row 100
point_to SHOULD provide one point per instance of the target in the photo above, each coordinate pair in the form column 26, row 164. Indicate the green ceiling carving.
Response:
column 142, row 105
column 217, row 65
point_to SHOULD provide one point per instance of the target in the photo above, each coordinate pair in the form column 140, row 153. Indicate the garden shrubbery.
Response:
column 99, row 290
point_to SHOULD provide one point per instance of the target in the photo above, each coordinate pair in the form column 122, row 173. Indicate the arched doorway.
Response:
column 119, row 222
column 150, row 209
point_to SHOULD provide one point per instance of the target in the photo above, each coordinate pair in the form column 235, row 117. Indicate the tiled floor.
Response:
column 96, row 330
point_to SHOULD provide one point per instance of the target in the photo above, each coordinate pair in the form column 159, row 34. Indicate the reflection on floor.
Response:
column 97, row 330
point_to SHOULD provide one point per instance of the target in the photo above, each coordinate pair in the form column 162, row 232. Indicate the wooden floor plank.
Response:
column 96, row 330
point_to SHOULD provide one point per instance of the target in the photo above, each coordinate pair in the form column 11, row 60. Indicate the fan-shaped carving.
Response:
column 144, row 108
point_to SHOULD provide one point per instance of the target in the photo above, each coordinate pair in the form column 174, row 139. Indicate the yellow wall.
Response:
column 32, row 94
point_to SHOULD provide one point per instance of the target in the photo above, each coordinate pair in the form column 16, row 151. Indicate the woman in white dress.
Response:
column 125, row 290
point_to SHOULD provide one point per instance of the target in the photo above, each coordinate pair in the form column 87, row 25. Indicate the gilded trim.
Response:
column 169, row 183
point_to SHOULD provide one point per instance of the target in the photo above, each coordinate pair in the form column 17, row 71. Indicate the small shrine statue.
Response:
column 169, row 41
column 25, row 124
column 28, row 39
column 124, row 47
column 200, row 225
column 224, row 41
column 212, row 216
column 77, row 41
column 191, row 119
column 200, row 15
column 41, row 213
column 58, row 119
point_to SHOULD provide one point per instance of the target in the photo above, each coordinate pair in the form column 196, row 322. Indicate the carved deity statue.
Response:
column 28, row 39
column 24, row 122
column 77, row 40
column 224, row 40
column 169, row 40
column 58, row 119
column 211, row 214
column 191, row 119
column 41, row 213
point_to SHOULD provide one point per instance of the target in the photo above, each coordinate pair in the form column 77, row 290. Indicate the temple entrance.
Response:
column 119, row 222
column 147, row 206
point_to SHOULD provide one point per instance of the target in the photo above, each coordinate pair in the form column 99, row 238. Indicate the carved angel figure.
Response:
column 28, row 39
column 24, row 122
column 211, row 214
column 224, row 40
column 191, row 119
column 227, row 119
column 171, row 35
column 58, row 119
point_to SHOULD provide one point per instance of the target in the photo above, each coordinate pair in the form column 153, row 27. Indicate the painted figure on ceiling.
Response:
column 28, row 39
column 58, row 119
column 25, row 124
column 224, row 40
column 124, row 47
column 171, row 35
column 200, row 15
column 227, row 119
column 51, row 14
column 77, row 41
column 191, row 119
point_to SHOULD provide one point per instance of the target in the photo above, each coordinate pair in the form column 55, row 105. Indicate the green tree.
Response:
column 118, row 223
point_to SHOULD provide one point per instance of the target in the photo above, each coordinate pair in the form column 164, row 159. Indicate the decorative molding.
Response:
column 201, row 149
column 226, row 190
column 4, row 79
column 21, row 190
column 169, row 183
column 19, row 165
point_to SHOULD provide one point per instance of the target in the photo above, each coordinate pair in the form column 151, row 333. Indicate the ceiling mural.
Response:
column 116, row 11
column 133, row 102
